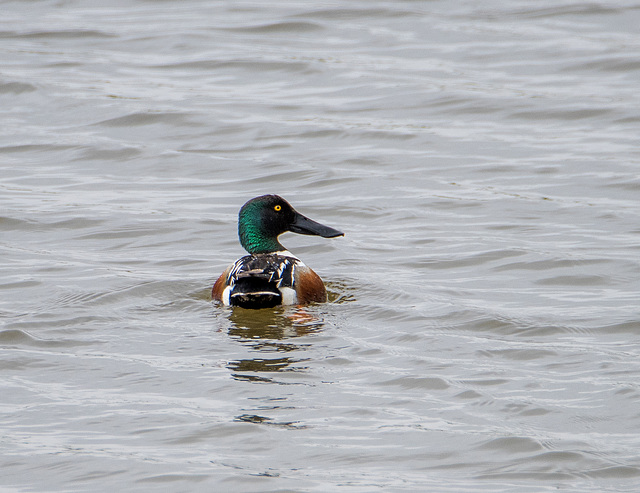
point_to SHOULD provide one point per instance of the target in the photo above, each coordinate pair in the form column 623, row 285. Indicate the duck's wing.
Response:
column 221, row 283
column 308, row 286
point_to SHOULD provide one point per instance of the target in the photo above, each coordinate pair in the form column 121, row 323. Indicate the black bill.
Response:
column 305, row 226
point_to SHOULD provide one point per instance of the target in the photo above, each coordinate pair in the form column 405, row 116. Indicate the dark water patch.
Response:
column 532, row 329
column 127, row 232
column 404, row 338
column 632, row 185
column 14, row 336
column 71, row 224
column 450, row 204
column 221, row 149
column 92, row 476
column 345, row 13
column 566, row 10
column 622, row 64
column 552, row 465
column 46, row 320
column 16, row 88
column 512, row 445
column 624, row 391
column 614, row 472
column 575, row 280
column 150, row 118
column 469, row 394
column 529, row 476
column 550, row 264
column 174, row 478
column 46, row 148
column 122, row 154
column 14, row 363
column 392, row 314
column 503, row 325
column 75, row 298
column 563, row 115
column 555, row 457
column 202, row 293
column 536, row 411
column 277, row 28
column 257, row 65
column 150, row 296
column 485, row 382
column 411, row 383
column 271, row 177
column 394, row 134
column 64, row 65
column 475, row 259
column 631, row 327
column 628, row 120
column 71, row 34
column 301, row 136
column 367, row 351
column 19, row 284
column 15, row 224
column 17, row 337
column 520, row 354
column 469, row 106
column 332, row 361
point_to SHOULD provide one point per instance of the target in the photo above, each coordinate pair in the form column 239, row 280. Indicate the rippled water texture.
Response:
column 483, row 332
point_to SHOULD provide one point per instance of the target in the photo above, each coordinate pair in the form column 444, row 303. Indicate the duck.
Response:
column 271, row 275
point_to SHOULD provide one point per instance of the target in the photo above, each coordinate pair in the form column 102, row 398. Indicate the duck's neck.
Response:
column 255, row 241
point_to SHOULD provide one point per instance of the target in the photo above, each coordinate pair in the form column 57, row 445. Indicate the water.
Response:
column 483, row 329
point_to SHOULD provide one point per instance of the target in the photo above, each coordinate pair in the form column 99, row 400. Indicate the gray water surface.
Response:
column 483, row 329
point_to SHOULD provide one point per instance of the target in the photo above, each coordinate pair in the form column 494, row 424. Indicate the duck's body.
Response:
column 267, row 280
column 270, row 275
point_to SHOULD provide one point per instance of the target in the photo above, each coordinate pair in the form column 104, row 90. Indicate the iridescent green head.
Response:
column 263, row 219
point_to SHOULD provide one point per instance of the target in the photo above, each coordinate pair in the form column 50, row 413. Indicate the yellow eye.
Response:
column 277, row 208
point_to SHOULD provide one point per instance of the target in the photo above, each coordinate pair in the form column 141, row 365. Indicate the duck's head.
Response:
column 263, row 219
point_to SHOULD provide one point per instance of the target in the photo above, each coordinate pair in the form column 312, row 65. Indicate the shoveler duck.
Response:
column 271, row 275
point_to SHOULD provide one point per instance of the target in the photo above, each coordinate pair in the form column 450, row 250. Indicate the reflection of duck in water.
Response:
column 270, row 275
column 272, row 328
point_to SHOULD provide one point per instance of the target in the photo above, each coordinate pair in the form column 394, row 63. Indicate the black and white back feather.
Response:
column 261, row 280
